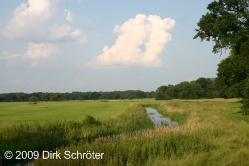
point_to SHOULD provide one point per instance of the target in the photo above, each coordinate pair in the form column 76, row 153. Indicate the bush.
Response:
column 33, row 99
column 159, row 95
column 91, row 121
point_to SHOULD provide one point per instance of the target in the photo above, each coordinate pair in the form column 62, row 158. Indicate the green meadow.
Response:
column 210, row 132
column 54, row 111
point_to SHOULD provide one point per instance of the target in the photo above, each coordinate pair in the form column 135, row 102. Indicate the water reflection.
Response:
column 158, row 119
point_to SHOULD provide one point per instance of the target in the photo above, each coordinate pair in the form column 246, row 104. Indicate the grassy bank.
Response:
column 211, row 132
column 41, row 135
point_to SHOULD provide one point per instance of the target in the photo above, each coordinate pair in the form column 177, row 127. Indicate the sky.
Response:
column 90, row 45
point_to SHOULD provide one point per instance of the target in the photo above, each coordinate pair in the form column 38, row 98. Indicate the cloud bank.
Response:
column 28, row 19
column 69, row 16
column 36, row 52
column 33, row 23
column 41, row 50
column 149, row 32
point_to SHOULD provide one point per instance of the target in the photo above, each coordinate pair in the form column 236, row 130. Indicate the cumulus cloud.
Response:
column 31, row 24
column 8, row 56
column 57, row 32
column 31, row 21
column 28, row 19
column 41, row 50
column 69, row 16
column 149, row 32
column 65, row 33
column 36, row 51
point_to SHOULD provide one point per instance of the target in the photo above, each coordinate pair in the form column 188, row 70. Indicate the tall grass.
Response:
column 212, row 132
column 138, row 148
column 39, row 136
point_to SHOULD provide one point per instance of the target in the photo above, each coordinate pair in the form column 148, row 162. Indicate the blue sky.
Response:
column 73, row 45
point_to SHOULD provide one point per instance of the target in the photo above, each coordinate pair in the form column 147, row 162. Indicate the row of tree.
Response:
column 227, row 24
column 45, row 96
column 200, row 88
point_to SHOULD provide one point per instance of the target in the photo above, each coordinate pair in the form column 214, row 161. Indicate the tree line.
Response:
column 200, row 88
column 49, row 96
column 227, row 25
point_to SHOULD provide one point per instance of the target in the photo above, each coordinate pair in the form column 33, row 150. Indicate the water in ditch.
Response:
column 158, row 119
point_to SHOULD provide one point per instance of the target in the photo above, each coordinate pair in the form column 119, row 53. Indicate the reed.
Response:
column 211, row 132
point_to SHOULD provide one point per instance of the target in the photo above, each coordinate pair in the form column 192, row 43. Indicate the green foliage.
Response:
column 189, row 90
column 135, row 151
column 211, row 133
column 33, row 99
column 94, row 96
column 245, row 100
column 140, row 94
column 46, row 96
column 184, row 90
column 209, row 86
column 159, row 95
column 39, row 136
column 162, row 88
column 131, row 97
column 90, row 120
column 226, row 24
column 116, row 96
column 167, row 97
column 56, row 97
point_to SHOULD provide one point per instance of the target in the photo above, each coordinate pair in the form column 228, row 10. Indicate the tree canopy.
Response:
column 227, row 24
column 200, row 88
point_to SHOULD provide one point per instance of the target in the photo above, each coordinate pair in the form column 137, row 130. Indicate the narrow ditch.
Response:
column 158, row 119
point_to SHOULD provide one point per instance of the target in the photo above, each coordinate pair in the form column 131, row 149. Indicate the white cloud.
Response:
column 41, row 50
column 69, row 16
column 65, row 33
column 31, row 22
column 28, row 19
column 35, row 51
column 58, row 32
column 82, row 39
column 75, row 33
column 150, row 32
column 7, row 56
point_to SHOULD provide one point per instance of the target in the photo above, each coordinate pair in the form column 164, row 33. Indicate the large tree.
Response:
column 33, row 99
column 227, row 24
column 140, row 94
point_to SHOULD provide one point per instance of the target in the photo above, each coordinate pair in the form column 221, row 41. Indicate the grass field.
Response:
column 54, row 111
column 211, row 132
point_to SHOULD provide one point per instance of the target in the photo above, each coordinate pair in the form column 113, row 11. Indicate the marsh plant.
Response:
column 210, row 132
